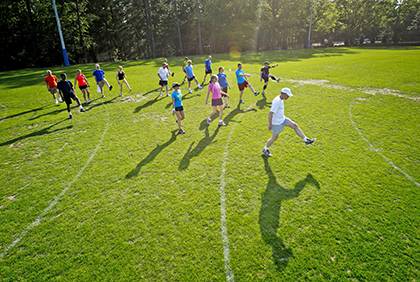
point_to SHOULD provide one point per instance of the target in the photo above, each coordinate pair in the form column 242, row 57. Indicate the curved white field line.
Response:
column 57, row 198
column 376, row 150
column 223, row 220
column 365, row 90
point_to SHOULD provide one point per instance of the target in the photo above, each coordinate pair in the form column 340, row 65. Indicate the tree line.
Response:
column 96, row 30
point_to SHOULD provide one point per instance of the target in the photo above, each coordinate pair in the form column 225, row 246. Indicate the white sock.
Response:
column 265, row 148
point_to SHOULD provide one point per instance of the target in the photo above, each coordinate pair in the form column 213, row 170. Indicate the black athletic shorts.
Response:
column 83, row 87
column 209, row 71
column 191, row 78
column 179, row 109
column 163, row 82
column 68, row 97
column 265, row 78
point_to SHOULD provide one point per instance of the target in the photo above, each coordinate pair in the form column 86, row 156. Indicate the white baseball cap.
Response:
column 287, row 91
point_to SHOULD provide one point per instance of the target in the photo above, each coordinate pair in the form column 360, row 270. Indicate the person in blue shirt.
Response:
column 99, row 75
column 241, row 78
column 190, row 76
column 178, row 106
column 207, row 69
column 224, row 84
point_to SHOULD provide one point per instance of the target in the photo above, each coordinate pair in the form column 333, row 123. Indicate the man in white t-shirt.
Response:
column 277, row 121
column 163, row 74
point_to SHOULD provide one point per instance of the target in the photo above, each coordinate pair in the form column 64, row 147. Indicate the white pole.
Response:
column 60, row 33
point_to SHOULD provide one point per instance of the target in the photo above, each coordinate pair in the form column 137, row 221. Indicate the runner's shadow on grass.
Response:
column 151, row 91
column 269, row 218
column 236, row 111
column 262, row 103
column 26, row 112
column 41, row 132
column 148, row 103
column 151, row 156
column 198, row 149
column 101, row 104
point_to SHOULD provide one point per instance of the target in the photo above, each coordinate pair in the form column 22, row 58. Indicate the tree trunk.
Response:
column 200, row 43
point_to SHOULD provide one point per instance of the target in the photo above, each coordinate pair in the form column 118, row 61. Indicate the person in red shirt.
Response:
column 51, row 82
column 81, row 80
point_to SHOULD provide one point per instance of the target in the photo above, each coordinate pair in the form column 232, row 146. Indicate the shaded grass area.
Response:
column 147, row 208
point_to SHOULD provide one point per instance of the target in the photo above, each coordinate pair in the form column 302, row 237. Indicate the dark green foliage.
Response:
column 99, row 30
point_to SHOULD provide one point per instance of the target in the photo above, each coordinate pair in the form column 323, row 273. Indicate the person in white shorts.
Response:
column 277, row 121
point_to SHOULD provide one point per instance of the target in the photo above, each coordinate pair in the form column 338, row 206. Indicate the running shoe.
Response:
column 241, row 102
column 70, row 116
column 56, row 101
column 309, row 141
column 278, row 80
column 222, row 123
column 266, row 153
column 82, row 110
column 208, row 121
column 256, row 93
column 110, row 87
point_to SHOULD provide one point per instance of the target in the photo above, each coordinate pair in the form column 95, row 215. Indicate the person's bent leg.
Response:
column 296, row 128
column 271, row 140
column 127, row 84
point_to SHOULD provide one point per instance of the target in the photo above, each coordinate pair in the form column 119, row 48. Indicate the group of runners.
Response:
column 64, row 91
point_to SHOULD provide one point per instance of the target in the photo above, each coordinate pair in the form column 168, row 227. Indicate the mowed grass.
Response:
column 144, row 204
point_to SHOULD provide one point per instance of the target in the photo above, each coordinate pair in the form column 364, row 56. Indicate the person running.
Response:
column 66, row 90
column 184, row 65
column 51, row 82
column 207, row 69
column 178, row 107
column 222, row 79
column 243, row 82
column 122, row 77
column 163, row 74
column 265, row 75
column 83, row 85
column 277, row 121
column 99, row 75
column 216, row 100
column 190, row 76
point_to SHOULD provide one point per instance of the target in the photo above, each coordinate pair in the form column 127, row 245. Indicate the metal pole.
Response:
column 309, row 44
column 60, row 33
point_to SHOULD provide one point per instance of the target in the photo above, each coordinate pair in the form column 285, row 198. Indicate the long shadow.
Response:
column 198, row 149
column 25, row 112
column 148, row 103
column 151, row 91
column 41, row 132
column 151, row 156
column 106, row 102
column 262, row 103
column 236, row 111
column 269, row 217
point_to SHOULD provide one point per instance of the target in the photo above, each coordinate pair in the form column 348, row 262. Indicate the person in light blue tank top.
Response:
column 190, row 76
column 224, row 84
column 207, row 69
column 178, row 106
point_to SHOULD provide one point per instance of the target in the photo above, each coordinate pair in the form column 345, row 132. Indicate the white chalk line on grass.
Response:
column 223, row 218
column 376, row 150
column 365, row 90
column 57, row 198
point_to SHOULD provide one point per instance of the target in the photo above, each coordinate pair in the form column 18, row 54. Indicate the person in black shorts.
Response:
column 265, row 75
column 66, row 90
column 121, row 77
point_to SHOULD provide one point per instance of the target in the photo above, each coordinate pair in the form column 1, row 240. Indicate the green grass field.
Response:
column 114, row 195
